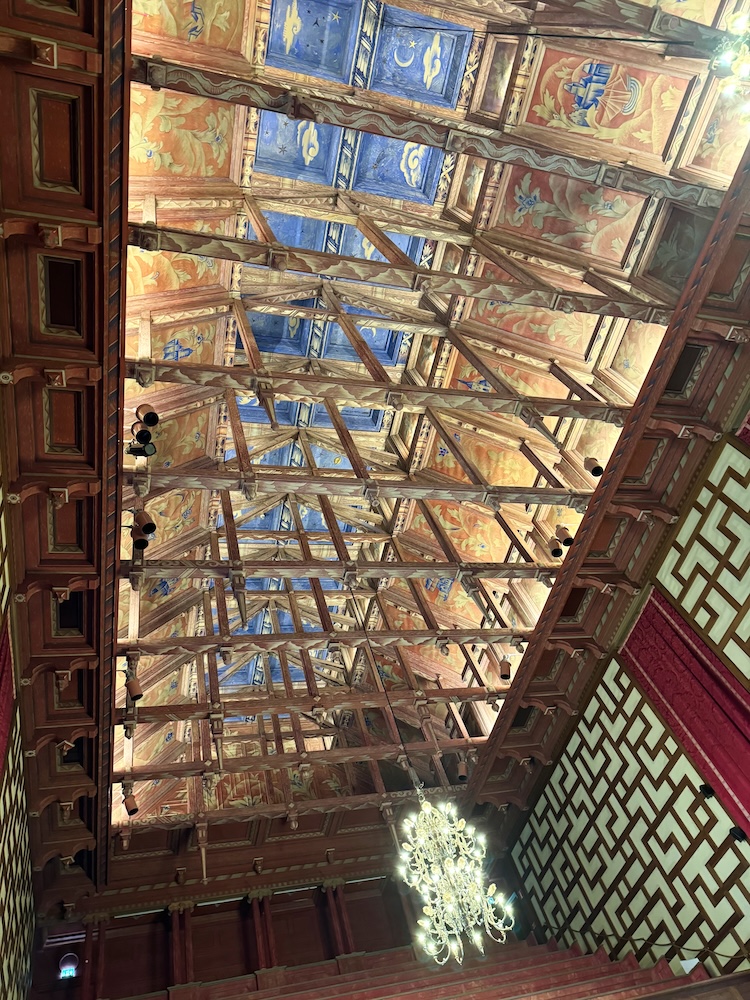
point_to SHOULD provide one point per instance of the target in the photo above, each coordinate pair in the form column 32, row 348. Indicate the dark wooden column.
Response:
column 260, row 937
column 346, row 926
column 187, row 918
column 87, row 986
column 408, row 908
column 176, row 948
column 270, row 936
column 334, row 919
column 100, row 960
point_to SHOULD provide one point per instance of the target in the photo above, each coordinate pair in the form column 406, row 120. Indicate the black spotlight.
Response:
column 147, row 415
column 140, row 432
column 594, row 467
column 739, row 834
column 143, row 520
column 706, row 791
column 141, row 450
column 562, row 534
column 505, row 666
column 555, row 549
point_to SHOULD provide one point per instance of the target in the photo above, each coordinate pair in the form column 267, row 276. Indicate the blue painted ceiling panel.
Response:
column 397, row 169
column 296, row 149
column 328, row 155
column 317, row 37
column 420, row 58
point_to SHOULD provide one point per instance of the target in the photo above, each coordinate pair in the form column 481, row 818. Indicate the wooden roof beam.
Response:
column 370, row 112
column 378, row 393
column 320, row 262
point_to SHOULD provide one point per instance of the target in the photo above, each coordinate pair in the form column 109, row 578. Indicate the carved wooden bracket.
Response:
column 50, row 235
column 56, row 378
column 58, row 495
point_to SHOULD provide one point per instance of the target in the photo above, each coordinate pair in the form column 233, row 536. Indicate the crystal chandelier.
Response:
column 443, row 860
column 731, row 62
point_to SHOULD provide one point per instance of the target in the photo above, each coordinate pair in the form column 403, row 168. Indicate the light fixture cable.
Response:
column 442, row 858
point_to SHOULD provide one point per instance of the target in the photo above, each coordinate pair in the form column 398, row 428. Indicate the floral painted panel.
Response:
column 678, row 248
column 162, row 271
column 477, row 536
column 573, row 332
column 703, row 11
column 471, row 184
column 452, row 258
column 498, row 77
column 180, row 439
column 180, row 134
column 426, row 661
column 209, row 22
column 637, row 350
column 724, row 137
column 597, row 439
column 568, row 213
column 157, row 591
column 627, row 106
column 249, row 788
column 499, row 466
column 193, row 344
column 176, row 512
column 531, row 382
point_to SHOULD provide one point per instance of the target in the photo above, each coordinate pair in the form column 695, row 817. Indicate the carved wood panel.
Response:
column 51, row 168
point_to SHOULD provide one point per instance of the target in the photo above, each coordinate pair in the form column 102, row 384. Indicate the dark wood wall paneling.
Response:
column 137, row 949
column 61, row 116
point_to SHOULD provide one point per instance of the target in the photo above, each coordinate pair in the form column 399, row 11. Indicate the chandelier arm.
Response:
column 442, row 859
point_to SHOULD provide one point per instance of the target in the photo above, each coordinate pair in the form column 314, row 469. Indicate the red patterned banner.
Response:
column 698, row 697
column 6, row 692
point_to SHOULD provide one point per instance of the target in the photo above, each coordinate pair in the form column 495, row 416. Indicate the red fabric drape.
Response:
column 699, row 698
column 6, row 693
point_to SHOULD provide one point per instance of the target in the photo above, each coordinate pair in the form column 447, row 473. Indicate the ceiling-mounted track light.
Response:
column 562, row 534
column 140, row 432
column 131, row 806
column 141, row 451
column 593, row 467
column 147, row 415
column 143, row 520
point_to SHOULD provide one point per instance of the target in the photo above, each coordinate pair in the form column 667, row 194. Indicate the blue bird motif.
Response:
column 199, row 21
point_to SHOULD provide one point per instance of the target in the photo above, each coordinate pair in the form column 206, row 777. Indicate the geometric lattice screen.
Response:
column 706, row 571
column 622, row 847
column 16, row 902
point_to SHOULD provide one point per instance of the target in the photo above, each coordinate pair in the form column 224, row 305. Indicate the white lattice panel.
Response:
column 707, row 569
column 621, row 842
column 16, row 902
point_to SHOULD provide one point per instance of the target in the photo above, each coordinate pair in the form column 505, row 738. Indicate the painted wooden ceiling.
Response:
column 201, row 164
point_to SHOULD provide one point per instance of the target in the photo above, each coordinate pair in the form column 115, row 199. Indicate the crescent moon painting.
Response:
column 401, row 63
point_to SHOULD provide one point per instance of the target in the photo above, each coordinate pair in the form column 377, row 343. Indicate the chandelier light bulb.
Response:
column 738, row 23
column 444, row 861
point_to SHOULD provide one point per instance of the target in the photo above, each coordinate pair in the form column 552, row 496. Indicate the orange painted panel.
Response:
column 625, row 106
column 567, row 213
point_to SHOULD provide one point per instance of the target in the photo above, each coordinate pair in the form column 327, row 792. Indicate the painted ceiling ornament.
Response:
column 443, row 859
column 405, row 63
column 292, row 25
column 432, row 63
column 411, row 163
column 307, row 140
